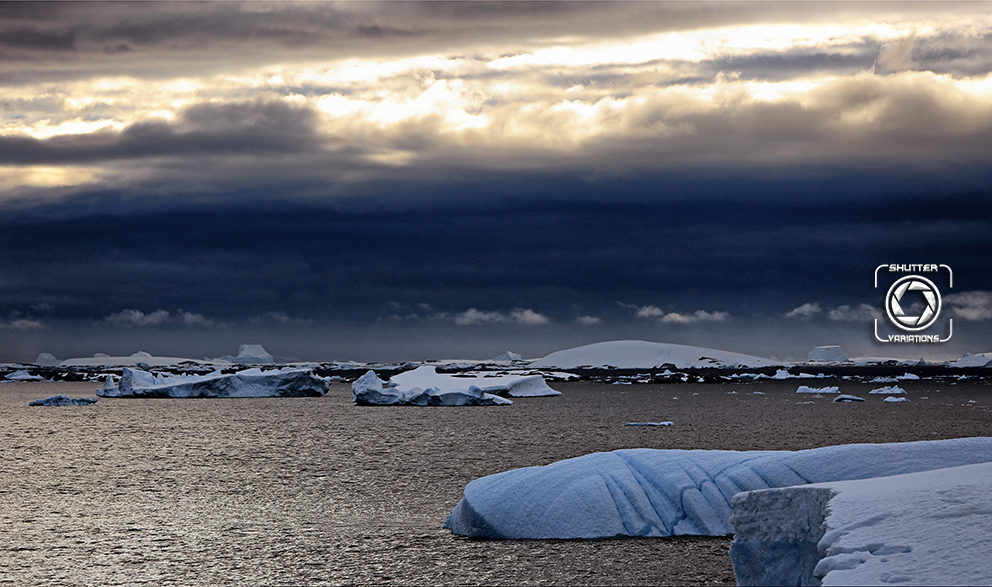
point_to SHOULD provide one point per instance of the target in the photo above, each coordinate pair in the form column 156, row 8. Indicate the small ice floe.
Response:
column 804, row 403
column 805, row 389
column 893, row 399
column 884, row 380
column 649, row 424
column 757, row 393
column 61, row 400
column 907, row 376
column 844, row 398
column 23, row 375
column 888, row 390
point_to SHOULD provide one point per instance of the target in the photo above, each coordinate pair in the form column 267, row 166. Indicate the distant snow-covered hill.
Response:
column 639, row 354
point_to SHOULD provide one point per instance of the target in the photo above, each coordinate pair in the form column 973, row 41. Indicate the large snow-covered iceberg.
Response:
column 925, row 528
column 970, row 360
column 249, row 354
column 639, row 354
column 285, row 382
column 651, row 492
column 370, row 390
column 426, row 377
column 138, row 359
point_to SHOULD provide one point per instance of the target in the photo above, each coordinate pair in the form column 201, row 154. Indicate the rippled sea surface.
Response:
column 313, row 491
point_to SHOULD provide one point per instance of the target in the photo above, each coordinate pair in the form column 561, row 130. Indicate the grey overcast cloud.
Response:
column 423, row 180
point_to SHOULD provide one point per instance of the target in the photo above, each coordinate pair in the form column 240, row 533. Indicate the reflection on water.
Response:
column 288, row 491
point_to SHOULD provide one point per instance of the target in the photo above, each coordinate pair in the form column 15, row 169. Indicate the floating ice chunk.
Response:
column 427, row 376
column 370, row 390
column 888, row 390
column 61, row 400
column 923, row 528
column 649, row 492
column 848, row 398
column 831, row 354
column 46, row 360
column 805, row 389
column 884, row 380
column 638, row 354
column 650, row 424
column 287, row 382
column 23, row 375
column 892, row 399
column 907, row 376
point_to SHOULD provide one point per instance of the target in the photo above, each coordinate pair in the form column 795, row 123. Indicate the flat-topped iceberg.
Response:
column 639, row 354
column 370, row 390
column 426, row 377
column 828, row 354
column 651, row 492
column 925, row 528
column 61, row 400
column 287, row 382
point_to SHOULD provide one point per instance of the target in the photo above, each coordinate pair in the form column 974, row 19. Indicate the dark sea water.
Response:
column 314, row 491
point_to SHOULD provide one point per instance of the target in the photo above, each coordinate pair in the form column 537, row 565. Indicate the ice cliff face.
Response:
column 249, row 383
column 649, row 492
column 925, row 528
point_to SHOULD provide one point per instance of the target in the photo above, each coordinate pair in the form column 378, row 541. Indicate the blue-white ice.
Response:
column 285, row 382
column 370, row 390
column 23, row 375
column 925, row 528
column 61, row 400
column 650, row 492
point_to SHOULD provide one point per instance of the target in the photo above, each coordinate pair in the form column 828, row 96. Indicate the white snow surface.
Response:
column 370, row 390
column 426, row 377
column 652, row 492
column 924, row 528
column 286, row 382
column 639, row 354
column 831, row 354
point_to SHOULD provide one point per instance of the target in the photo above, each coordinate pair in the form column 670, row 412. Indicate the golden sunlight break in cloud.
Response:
column 827, row 89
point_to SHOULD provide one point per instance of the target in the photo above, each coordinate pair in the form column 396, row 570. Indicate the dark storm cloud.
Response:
column 249, row 128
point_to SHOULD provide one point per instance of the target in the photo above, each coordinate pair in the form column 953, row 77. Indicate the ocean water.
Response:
column 292, row 491
column 318, row 491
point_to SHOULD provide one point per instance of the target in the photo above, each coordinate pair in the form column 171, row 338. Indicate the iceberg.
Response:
column 976, row 360
column 923, row 528
column 286, row 382
column 370, row 390
column 61, row 400
column 249, row 354
column 827, row 354
column 508, row 356
column 46, row 360
column 652, row 492
column 639, row 354
column 887, row 390
column 426, row 377
column 23, row 375
column 845, row 398
column 830, row 389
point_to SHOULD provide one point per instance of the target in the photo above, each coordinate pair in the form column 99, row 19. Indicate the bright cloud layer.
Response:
column 662, row 86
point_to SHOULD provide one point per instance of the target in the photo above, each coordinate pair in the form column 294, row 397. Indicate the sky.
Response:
column 387, row 181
